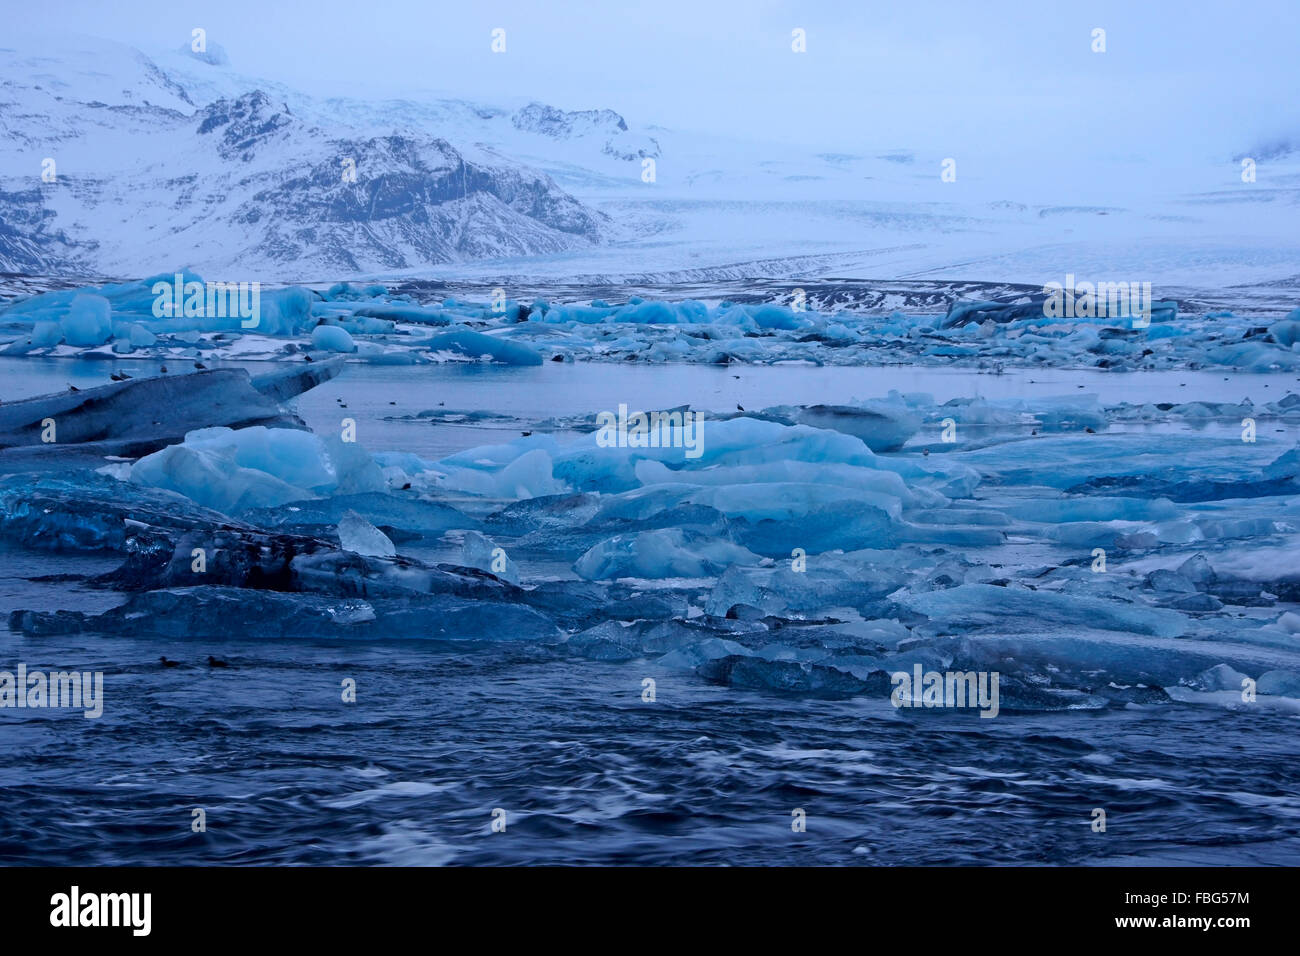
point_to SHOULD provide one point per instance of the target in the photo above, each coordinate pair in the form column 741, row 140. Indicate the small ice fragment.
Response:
column 482, row 552
column 331, row 338
column 359, row 536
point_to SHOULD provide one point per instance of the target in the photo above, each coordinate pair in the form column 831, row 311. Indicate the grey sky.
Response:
column 1211, row 77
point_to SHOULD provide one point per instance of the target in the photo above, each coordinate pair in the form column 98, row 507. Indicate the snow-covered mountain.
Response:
column 121, row 170
column 180, row 159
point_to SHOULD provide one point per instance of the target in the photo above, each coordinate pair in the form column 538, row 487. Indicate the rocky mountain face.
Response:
column 118, row 172
column 604, row 125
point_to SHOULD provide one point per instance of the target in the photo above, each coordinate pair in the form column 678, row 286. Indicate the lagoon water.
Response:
column 442, row 735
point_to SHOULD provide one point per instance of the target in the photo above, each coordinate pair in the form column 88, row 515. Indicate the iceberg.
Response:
column 233, row 470
column 970, row 607
column 135, row 417
column 331, row 338
column 661, row 553
column 475, row 345
column 89, row 321
column 207, row 612
column 481, row 552
column 401, row 515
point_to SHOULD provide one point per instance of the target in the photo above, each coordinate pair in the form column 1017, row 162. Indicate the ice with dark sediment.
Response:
column 141, row 415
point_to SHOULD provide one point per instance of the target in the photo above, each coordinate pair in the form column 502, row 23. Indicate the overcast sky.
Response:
column 1213, row 76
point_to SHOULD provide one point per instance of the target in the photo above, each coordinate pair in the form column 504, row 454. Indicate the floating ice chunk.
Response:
column 282, row 312
column 1221, row 677
column 662, row 553
column 477, row 345
column 777, row 517
column 1105, row 462
column 1102, row 534
column 873, row 480
column 608, row 641
column 298, row 457
column 1163, row 579
column 528, row 476
column 1094, row 509
column 961, row 516
column 358, row 535
column 791, row 676
column 1289, row 621
column 952, row 535
column 482, row 552
column 235, row 470
column 1287, row 331
column 218, row 612
column 405, row 313
column 1198, row 570
column 395, row 512
column 882, row 426
column 140, row 337
column 545, row 513
column 331, row 338
column 287, row 383
column 740, row 441
column 1252, row 356
column 782, row 591
column 1275, row 569
column 89, row 321
column 619, row 641
column 346, row 291
column 1286, row 465
column 129, row 418
column 45, row 334
column 1017, row 609
column 1279, row 682
column 783, row 501
column 692, row 656
column 778, row 317
column 210, row 476
column 87, row 511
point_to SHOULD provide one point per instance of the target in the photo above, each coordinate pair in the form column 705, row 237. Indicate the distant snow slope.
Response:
column 180, row 158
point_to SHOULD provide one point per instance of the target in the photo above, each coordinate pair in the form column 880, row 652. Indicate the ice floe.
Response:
column 1093, row 555
column 373, row 324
